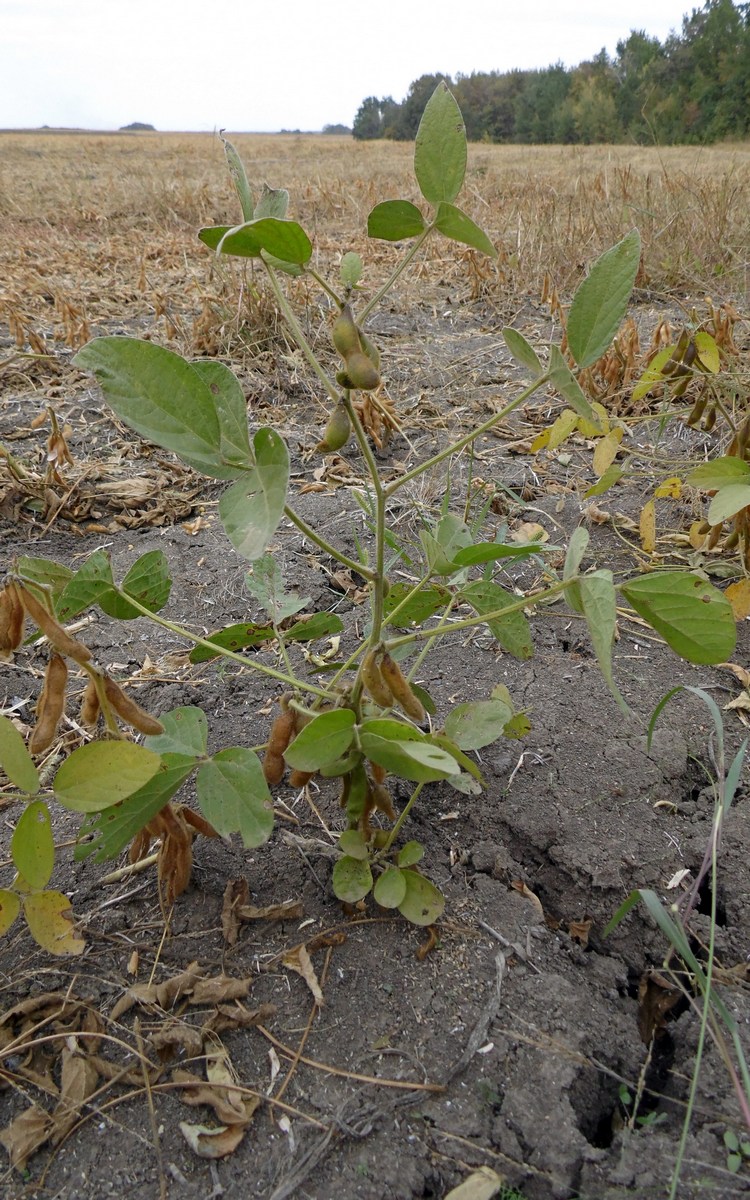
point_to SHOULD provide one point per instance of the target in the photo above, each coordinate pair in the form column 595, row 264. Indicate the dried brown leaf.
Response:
column 656, row 996
column 299, row 960
column 26, row 1134
column 212, row 1143
column 236, row 894
column 79, row 1078
column 288, row 910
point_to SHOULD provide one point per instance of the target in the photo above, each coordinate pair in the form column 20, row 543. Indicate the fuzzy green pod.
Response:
column 337, row 431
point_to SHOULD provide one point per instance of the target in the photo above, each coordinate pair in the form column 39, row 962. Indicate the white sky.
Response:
column 270, row 64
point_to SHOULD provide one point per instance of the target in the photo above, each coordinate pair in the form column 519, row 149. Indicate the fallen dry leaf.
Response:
column 299, row 960
column 482, row 1184
column 289, row 910
column 26, row 1134
column 656, row 996
column 79, row 1079
column 212, row 1143
column 579, row 930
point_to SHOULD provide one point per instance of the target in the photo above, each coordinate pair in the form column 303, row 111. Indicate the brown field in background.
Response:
column 102, row 227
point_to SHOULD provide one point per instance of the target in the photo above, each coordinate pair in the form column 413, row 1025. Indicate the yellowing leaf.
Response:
column 647, row 527
column 10, row 904
column 562, row 428
column 49, row 919
column 738, row 595
column 590, row 430
column 670, row 489
column 540, row 441
column 697, row 535
column 606, row 452
column 708, row 352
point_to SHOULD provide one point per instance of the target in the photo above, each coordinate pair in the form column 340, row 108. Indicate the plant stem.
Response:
column 467, row 439
column 371, row 304
column 325, row 286
column 482, row 619
column 377, row 577
column 399, row 823
column 222, row 651
column 299, row 337
column 325, row 546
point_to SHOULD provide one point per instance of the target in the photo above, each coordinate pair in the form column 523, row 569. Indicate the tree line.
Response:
column 695, row 87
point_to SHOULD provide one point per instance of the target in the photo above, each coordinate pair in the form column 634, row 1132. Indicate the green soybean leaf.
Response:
column 485, row 552
column 602, row 299
column 148, row 581
column 350, row 269
column 48, row 574
column 231, row 410
column 576, row 549
column 565, row 382
column 423, row 903
column 233, row 795
column 418, row 608
column 107, row 833
column 15, row 759
column 512, row 632
column 10, row 906
column 440, row 147
column 98, row 775
column 477, row 724
column 390, row 888
column 395, row 220
column 597, row 592
column 265, row 583
column 285, row 240
column 352, row 842
column 446, row 743
column 404, row 751
column 251, row 508
column 185, row 732
column 272, row 202
column 410, row 854
column 48, row 915
column 239, row 178
column 32, row 846
column 717, row 474
column 233, row 637
column 455, row 224
column 320, row 625
column 728, row 502
column 692, row 616
column 352, row 879
column 91, row 582
column 522, row 351
column 160, row 395
column 322, row 740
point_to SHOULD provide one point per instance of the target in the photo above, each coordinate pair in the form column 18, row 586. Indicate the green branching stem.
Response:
column 468, row 438
column 313, row 536
column 298, row 335
column 371, row 304
column 222, row 651
column 421, row 635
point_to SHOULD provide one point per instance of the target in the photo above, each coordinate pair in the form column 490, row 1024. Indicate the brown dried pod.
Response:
column 51, row 627
column 130, row 712
column 50, row 705
column 11, row 621
column 299, row 779
column 90, row 706
column 279, row 738
column 379, row 774
column 401, row 689
column 382, row 801
column 374, row 682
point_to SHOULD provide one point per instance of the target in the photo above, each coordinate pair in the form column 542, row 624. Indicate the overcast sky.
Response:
column 249, row 65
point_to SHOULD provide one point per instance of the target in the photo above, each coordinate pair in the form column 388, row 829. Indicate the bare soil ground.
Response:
column 511, row 1042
